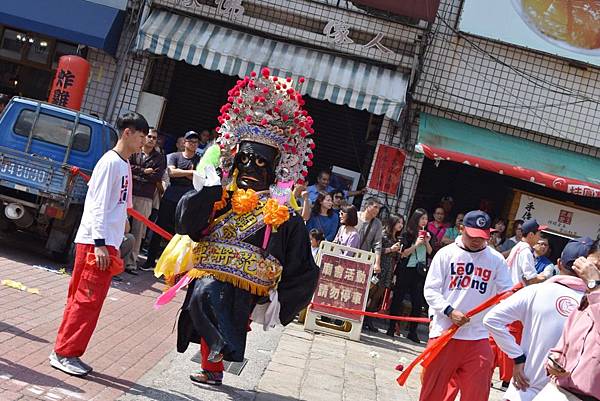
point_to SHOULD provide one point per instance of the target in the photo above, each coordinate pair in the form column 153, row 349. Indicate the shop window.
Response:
column 62, row 49
column 53, row 130
column 38, row 51
column 12, row 42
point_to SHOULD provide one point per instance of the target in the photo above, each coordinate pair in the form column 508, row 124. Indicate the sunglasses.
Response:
column 152, row 137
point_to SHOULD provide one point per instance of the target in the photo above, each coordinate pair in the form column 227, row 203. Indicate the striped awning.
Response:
column 327, row 77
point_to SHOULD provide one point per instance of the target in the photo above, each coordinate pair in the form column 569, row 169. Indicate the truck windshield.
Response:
column 53, row 130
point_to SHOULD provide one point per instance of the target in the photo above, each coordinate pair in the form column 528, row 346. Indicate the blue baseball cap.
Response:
column 574, row 249
column 478, row 224
column 191, row 135
column 532, row 226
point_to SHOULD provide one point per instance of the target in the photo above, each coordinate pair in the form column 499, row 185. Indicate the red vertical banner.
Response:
column 387, row 171
column 70, row 81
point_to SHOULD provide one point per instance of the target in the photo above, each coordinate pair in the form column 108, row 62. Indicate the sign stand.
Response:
column 344, row 281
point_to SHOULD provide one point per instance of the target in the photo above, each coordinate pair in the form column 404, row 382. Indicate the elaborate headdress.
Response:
column 266, row 109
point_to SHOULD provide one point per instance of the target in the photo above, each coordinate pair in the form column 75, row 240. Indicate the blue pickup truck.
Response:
column 41, row 148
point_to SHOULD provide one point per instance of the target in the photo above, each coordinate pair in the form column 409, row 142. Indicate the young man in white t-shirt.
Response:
column 463, row 275
column 521, row 261
column 543, row 310
column 98, row 240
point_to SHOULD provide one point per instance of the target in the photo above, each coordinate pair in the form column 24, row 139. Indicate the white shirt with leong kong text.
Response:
column 108, row 197
column 463, row 280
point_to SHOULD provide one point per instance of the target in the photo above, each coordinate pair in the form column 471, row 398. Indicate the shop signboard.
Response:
column 387, row 171
column 566, row 29
column 561, row 219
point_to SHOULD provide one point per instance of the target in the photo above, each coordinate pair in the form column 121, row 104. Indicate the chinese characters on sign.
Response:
column 64, row 81
column 528, row 209
column 343, row 283
column 376, row 42
column 559, row 218
column 69, row 82
column 388, row 168
column 231, row 9
column 338, row 32
column 565, row 217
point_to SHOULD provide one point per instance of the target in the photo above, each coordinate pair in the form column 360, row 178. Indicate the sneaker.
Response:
column 70, row 366
column 204, row 377
column 84, row 365
column 146, row 268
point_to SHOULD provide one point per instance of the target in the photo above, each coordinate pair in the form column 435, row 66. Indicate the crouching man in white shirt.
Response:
column 543, row 310
column 463, row 275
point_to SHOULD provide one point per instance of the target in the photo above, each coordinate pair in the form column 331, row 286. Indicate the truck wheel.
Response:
column 62, row 234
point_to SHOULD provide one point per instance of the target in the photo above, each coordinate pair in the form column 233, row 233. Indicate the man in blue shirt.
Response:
column 322, row 185
column 540, row 250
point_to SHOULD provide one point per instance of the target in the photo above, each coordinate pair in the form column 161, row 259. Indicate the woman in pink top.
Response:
column 347, row 234
column 577, row 354
column 437, row 228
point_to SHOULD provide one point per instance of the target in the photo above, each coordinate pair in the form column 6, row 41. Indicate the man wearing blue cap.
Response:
column 521, row 261
column 462, row 275
column 543, row 310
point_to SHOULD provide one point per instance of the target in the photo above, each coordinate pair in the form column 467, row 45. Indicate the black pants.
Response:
column 408, row 281
column 166, row 220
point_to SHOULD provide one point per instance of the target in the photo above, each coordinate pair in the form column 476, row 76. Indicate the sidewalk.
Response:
column 318, row 367
column 130, row 339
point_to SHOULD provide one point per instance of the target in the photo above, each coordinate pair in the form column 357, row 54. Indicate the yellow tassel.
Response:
column 233, row 280
column 176, row 258
column 294, row 202
column 233, row 186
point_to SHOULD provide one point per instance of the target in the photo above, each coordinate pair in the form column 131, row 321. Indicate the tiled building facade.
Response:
column 464, row 78
column 503, row 88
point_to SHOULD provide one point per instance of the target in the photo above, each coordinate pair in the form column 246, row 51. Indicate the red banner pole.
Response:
column 435, row 346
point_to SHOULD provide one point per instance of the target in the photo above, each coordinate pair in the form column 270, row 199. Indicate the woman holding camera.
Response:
column 411, row 270
column 390, row 253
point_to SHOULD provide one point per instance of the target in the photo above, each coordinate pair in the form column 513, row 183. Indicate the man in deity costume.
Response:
column 241, row 247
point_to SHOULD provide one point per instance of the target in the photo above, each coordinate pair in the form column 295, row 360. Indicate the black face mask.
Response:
column 256, row 163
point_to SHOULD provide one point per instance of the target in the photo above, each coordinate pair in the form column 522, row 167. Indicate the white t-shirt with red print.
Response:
column 463, row 280
column 108, row 197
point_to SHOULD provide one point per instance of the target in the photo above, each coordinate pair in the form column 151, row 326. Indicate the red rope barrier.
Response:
column 132, row 212
column 372, row 314
column 151, row 225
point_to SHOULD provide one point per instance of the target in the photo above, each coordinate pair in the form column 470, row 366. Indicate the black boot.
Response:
column 414, row 337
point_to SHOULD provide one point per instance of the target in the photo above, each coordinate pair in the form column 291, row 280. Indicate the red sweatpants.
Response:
column 87, row 290
column 466, row 364
column 503, row 361
column 206, row 365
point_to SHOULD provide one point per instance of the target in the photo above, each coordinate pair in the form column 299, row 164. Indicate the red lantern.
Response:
column 70, row 81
